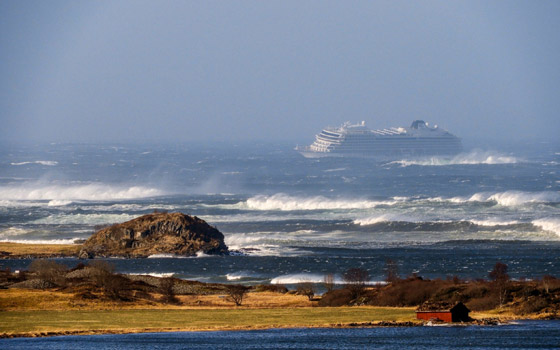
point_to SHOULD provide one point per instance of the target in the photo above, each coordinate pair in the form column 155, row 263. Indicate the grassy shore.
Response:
column 19, row 250
column 50, row 322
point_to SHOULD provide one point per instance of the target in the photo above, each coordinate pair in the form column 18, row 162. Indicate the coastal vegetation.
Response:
column 50, row 299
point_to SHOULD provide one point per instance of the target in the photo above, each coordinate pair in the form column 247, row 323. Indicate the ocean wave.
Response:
column 471, row 158
column 494, row 222
column 371, row 220
column 87, row 192
column 312, row 278
column 13, row 231
column 165, row 256
column 153, row 274
column 548, row 224
column 284, row 202
column 83, row 219
column 237, row 276
column 516, row 198
column 40, row 162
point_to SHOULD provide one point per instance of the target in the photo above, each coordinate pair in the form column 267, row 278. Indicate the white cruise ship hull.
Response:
column 418, row 141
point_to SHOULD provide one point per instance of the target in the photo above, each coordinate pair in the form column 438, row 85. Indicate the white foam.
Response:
column 89, row 192
column 312, row 278
column 493, row 222
column 84, row 219
column 236, row 276
column 284, row 202
column 40, row 162
column 383, row 218
column 13, row 231
column 165, row 256
column 516, row 198
column 153, row 274
column 548, row 224
column 471, row 158
column 58, row 203
column 201, row 254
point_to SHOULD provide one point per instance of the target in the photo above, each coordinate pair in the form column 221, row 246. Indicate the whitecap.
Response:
column 312, row 278
column 89, row 192
column 40, row 162
column 284, row 202
column 471, row 158
column 371, row 220
column 548, row 224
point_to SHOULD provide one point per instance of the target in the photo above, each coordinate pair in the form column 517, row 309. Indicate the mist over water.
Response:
column 286, row 217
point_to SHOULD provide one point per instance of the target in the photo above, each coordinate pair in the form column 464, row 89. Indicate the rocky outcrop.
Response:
column 157, row 233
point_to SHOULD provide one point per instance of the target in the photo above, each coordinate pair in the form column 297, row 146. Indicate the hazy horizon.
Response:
column 174, row 71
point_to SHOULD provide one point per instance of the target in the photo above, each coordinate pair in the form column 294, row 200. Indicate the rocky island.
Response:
column 156, row 233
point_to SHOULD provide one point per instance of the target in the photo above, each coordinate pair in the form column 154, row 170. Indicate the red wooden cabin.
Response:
column 443, row 312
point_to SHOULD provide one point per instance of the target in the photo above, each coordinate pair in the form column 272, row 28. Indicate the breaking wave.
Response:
column 548, row 224
column 40, row 162
column 284, row 202
column 312, row 278
column 372, row 220
column 471, row 158
column 88, row 192
column 516, row 198
column 83, row 219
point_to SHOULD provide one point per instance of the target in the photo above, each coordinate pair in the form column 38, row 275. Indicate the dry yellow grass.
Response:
column 36, row 312
column 26, row 299
column 39, row 250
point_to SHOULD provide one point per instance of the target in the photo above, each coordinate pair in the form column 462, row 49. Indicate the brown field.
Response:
column 12, row 250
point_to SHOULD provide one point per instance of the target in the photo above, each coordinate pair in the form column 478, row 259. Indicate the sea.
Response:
column 288, row 219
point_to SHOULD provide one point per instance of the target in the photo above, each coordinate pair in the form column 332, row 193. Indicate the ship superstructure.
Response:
column 356, row 140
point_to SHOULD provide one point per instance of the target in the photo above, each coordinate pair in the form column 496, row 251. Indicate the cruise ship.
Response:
column 356, row 140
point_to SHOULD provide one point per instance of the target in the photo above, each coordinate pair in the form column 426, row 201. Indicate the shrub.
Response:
column 236, row 293
column 166, row 289
column 49, row 271
column 337, row 297
column 355, row 280
column 307, row 289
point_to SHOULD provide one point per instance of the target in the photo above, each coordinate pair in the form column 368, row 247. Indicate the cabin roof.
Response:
column 431, row 306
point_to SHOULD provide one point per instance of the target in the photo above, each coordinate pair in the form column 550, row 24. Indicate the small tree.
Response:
column 391, row 271
column 114, row 286
column 328, row 282
column 500, row 280
column 306, row 288
column 49, row 271
column 356, row 280
column 166, row 290
column 547, row 280
column 236, row 293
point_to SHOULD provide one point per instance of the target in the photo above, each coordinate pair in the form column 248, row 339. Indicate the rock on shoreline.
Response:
column 156, row 233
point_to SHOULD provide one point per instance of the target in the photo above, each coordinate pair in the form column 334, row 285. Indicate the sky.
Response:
column 165, row 71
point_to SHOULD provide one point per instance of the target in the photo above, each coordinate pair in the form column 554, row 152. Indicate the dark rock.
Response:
column 157, row 233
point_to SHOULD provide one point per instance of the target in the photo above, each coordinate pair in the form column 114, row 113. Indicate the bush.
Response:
column 236, row 293
column 167, row 292
column 49, row 271
column 337, row 297
column 355, row 280
column 307, row 289
column 275, row 288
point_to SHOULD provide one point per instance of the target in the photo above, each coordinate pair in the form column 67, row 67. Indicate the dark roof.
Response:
column 431, row 306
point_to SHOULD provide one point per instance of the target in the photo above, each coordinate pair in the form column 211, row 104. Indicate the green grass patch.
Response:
column 17, row 322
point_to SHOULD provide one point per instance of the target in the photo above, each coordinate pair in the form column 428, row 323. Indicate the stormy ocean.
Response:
column 287, row 218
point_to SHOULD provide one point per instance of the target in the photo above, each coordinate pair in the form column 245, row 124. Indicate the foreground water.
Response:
column 288, row 218
column 521, row 335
